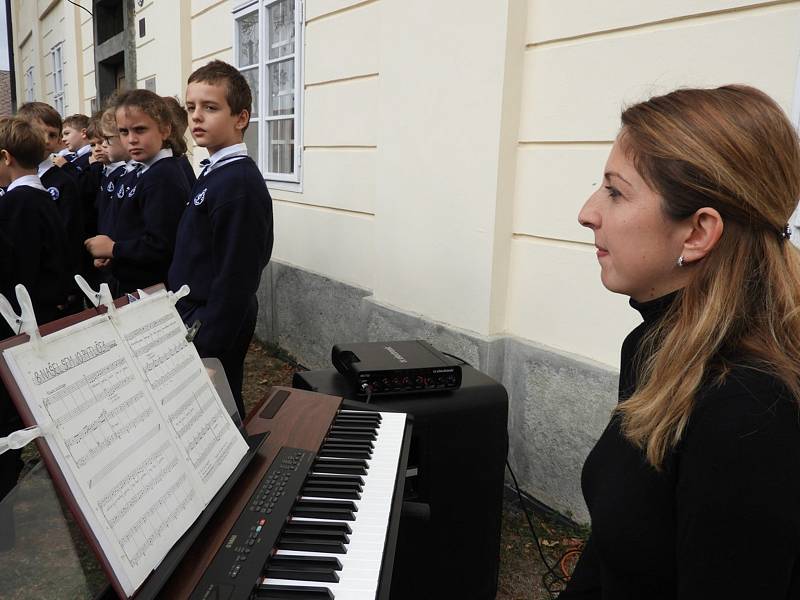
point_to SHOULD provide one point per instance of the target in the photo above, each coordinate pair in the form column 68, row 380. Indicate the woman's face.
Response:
column 637, row 244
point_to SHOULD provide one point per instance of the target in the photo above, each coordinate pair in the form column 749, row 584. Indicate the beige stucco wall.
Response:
column 582, row 62
column 38, row 27
column 448, row 145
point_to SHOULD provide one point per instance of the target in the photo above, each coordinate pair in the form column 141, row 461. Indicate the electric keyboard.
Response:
column 314, row 516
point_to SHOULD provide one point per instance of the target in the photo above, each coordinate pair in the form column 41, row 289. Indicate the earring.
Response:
column 681, row 261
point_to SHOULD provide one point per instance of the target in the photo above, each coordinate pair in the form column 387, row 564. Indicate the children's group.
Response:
column 114, row 198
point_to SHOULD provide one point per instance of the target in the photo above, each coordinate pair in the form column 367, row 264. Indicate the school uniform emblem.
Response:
column 200, row 198
column 121, row 192
column 132, row 192
column 54, row 193
column 110, row 187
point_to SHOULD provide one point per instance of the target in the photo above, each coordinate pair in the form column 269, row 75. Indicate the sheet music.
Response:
column 135, row 425
column 177, row 380
column 112, row 443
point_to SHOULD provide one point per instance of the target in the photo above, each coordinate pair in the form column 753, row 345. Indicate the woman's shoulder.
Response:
column 747, row 404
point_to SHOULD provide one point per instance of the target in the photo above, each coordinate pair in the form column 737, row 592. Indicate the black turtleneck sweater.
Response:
column 721, row 520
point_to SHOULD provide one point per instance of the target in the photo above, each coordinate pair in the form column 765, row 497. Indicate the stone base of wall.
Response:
column 559, row 403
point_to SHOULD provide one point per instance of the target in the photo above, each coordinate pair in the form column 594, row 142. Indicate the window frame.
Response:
column 30, row 91
column 57, row 54
column 286, row 181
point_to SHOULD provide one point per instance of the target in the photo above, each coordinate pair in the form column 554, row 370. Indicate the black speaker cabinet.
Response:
column 458, row 448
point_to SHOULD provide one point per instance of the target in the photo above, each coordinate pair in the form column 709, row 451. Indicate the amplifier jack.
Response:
column 367, row 389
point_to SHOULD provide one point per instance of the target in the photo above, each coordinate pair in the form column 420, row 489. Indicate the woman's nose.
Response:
column 588, row 215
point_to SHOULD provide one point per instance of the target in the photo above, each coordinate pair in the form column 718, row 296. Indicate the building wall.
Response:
column 447, row 148
column 165, row 51
column 37, row 28
column 582, row 63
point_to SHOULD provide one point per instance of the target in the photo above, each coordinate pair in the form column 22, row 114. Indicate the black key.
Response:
column 304, row 568
column 337, row 480
column 340, row 510
column 311, row 545
column 330, row 492
column 366, row 416
column 289, row 592
column 343, row 468
column 340, row 453
column 331, row 445
column 356, row 443
column 314, row 528
column 362, row 429
column 367, row 436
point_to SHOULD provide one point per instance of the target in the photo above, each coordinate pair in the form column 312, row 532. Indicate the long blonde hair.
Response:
column 732, row 149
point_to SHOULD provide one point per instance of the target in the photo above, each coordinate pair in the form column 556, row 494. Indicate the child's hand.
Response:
column 59, row 161
column 101, row 263
column 100, row 246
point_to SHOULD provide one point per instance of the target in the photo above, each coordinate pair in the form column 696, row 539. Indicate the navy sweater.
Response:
column 107, row 202
column 224, row 242
column 64, row 191
column 31, row 226
column 721, row 520
column 75, row 167
column 145, row 226
column 187, row 169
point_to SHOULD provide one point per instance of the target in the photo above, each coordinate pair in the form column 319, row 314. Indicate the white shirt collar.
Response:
column 83, row 150
column 29, row 180
column 163, row 153
column 111, row 167
column 62, row 152
column 227, row 152
column 44, row 167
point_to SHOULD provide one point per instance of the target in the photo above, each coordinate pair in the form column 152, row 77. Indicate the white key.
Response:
column 361, row 565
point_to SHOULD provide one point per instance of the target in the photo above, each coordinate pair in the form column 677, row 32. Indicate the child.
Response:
column 180, row 122
column 112, row 185
column 33, row 246
column 142, row 239
column 75, row 137
column 225, row 235
column 62, row 188
column 89, row 182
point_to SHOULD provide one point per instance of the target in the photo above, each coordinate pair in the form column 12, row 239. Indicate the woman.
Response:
column 694, row 487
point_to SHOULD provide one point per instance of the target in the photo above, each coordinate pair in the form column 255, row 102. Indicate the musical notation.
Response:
column 134, row 424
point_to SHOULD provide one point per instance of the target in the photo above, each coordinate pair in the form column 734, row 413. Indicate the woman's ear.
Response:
column 706, row 230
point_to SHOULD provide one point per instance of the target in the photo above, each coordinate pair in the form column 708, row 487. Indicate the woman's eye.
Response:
column 613, row 192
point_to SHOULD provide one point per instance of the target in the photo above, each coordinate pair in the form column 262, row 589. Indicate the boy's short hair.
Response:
column 237, row 90
column 48, row 115
column 22, row 141
column 94, row 129
column 76, row 121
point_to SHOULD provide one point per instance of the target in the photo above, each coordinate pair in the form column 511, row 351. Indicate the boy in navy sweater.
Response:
column 225, row 235
column 62, row 188
column 75, row 136
column 34, row 247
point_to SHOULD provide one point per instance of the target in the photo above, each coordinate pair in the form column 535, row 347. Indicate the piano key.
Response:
column 361, row 563
column 293, row 592
column 330, row 492
column 304, row 568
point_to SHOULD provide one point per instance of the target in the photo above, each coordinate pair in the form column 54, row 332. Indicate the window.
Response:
column 58, row 79
column 29, row 93
column 268, row 42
